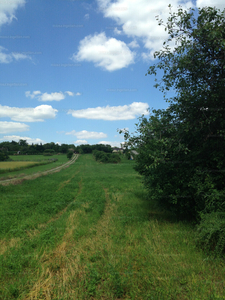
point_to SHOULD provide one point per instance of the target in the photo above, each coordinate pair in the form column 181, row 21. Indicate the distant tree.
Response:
column 69, row 155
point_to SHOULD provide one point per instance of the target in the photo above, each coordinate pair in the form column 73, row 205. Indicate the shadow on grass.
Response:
column 150, row 209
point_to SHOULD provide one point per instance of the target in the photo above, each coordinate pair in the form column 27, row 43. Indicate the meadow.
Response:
column 28, row 164
column 16, row 164
column 90, row 232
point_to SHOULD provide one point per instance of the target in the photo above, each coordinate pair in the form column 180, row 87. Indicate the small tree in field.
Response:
column 69, row 155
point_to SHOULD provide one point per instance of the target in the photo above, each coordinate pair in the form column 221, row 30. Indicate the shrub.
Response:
column 69, row 155
column 103, row 157
column 3, row 156
column 211, row 232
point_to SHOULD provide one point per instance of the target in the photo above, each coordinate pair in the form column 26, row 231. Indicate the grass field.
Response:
column 89, row 232
column 40, row 164
column 16, row 164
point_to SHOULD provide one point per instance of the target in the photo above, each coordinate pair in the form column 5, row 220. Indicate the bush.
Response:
column 103, row 157
column 69, row 155
column 211, row 232
column 3, row 156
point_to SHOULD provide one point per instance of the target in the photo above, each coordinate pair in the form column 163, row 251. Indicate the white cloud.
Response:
column 6, row 58
column 34, row 94
column 28, row 114
column 108, row 53
column 80, row 142
column 78, row 94
column 29, row 140
column 57, row 96
column 7, row 10
column 217, row 3
column 138, row 19
column 112, row 113
column 7, row 127
column 51, row 97
column 87, row 16
column 133, row 44
column 84, row 134
column 69, row 93
column 112, row 144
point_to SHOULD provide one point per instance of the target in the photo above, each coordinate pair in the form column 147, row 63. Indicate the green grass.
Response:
column 89, row 232
column 42, row 160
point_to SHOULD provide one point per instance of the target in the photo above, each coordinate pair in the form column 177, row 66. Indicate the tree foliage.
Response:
column 181, row 149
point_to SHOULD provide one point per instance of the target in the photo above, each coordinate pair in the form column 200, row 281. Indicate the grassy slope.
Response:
column 39, row 158
column 88, row 232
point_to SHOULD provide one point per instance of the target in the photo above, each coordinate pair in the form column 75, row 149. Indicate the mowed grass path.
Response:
column 89, row 232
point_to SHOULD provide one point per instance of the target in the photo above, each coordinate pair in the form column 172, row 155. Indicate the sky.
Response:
column 73, row 71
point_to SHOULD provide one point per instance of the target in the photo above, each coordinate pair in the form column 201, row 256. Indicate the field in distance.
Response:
column 38, row 163
column 90, row 232
column 15, row 164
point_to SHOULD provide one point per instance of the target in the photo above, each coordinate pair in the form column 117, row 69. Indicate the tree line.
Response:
column 22, row 147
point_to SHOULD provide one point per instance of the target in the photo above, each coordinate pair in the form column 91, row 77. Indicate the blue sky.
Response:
column 73, row 71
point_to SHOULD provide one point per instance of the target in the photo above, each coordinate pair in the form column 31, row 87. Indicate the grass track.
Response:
column 89, row 232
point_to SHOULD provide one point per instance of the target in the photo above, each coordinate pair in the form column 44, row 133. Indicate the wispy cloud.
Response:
column 84, row 134
column 6, row 58
column 8, row 9
column 56, row 96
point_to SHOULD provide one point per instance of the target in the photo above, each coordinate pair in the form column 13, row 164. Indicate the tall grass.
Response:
column 89, row 232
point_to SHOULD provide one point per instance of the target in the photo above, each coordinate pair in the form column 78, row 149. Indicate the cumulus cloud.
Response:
column 80, row 142
column 29, row 140
column 7, row 10
column 84, row 134
column 28, row 114
column 51, row 97
column 78, row 94
column 6, row 58
column 108, row 53
column 138, row 19
column 217, row 3
column 8, row 127
column 56, row 96
column 112, row 113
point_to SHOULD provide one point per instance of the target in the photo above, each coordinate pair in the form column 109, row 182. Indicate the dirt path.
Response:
column 18, row 180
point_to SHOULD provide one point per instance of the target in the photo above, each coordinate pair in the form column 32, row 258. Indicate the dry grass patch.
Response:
column 5, row 245
column 4, row 165
column 64, row 270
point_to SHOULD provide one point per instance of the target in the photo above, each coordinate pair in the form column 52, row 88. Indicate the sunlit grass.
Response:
column 90, row 232
column 16, row 164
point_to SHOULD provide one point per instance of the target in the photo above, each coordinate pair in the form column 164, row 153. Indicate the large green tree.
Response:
column 181, row 149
